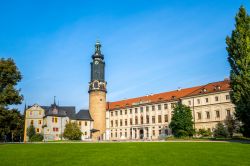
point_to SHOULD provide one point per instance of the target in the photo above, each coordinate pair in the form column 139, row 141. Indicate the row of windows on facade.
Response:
column 217, row 113
column 126, row 135
column 216, row 99
column 31, row 112
column 142, row 109
column 55, row 120
column 159, row 107
column 136, row 121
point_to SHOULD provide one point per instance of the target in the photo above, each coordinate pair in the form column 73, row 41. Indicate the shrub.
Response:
column 37, row 138
column 204, row 133
column 220, row 131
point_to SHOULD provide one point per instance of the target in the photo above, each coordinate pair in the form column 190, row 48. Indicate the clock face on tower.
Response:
column 96, row 62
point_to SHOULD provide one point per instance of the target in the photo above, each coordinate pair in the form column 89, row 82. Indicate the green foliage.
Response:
column 11, row 121
column 9, row 77
column 11, row 125
column 36, row 138
column 181, row 123
column 204, row 133
column 238, row 48
column 220, row 131
column 72, row 131
column 31, row 132
column 232, row 125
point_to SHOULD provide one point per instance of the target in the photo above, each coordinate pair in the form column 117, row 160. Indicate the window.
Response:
column 160, row 132
column 116, row 123
column 189, row 102
column 125, row 134
column 147, row 119
column 55, row 129
column 32, row 122
column 199, row 115
column 216, row 98
column 125, row 112
column 228, row 112
column 120, row 122
column 120, row 112
column 166, row 118
column 120, row 134
column 111, row 134
column 40, row 112
column 198, row 101
column 131, row 121
column 159, row 118
column 165, row 106
column 217, row 114
column 153, row 119
column 130, row 110
column 126, row 122
column 85, row 133
column 153, row 108
column 208, row 115
column 37, row 130
column 153, row 132
column 79, row 123
column 147, row 108
column 141, row 109
column 116, row 113
column 173, row 105
column 30, row 113
column 111, row 122
column 227, row 97
column 136, row 110
column 136, row 120
column 141, row 119
column 111, row 113
column 159, row 107
column 54, row 120
column 39, row 121
column 206, row 99
column 86, row 123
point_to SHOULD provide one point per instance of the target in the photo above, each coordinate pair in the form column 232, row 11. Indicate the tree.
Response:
column 11, row 121
column 238, row 48
column 232, row 125
column 9, row 77
column 181, row 123
column 220, row 131
column 72, row 131
column 31, row 131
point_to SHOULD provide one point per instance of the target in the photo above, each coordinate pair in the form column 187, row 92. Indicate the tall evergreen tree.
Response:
column 181, row 122
column 238, row 47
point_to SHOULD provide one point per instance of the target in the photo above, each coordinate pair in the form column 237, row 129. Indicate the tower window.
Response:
column 165, row 106
column 159, row 107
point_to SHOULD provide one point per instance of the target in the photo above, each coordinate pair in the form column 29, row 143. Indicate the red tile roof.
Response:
column 171, row 96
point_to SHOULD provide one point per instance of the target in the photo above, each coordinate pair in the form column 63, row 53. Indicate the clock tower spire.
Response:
column 97, row 94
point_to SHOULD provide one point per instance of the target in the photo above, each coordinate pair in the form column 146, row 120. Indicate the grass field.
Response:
column 154, row 153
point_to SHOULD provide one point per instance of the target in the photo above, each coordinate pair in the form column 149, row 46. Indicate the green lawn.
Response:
column 155, row 153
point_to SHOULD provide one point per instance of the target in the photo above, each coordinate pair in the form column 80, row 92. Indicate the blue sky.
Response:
column 149, row 46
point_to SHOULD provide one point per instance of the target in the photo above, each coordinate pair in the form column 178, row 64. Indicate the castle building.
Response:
column 147, row 117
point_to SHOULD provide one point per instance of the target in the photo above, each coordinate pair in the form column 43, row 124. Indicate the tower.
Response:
column 97, row 94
